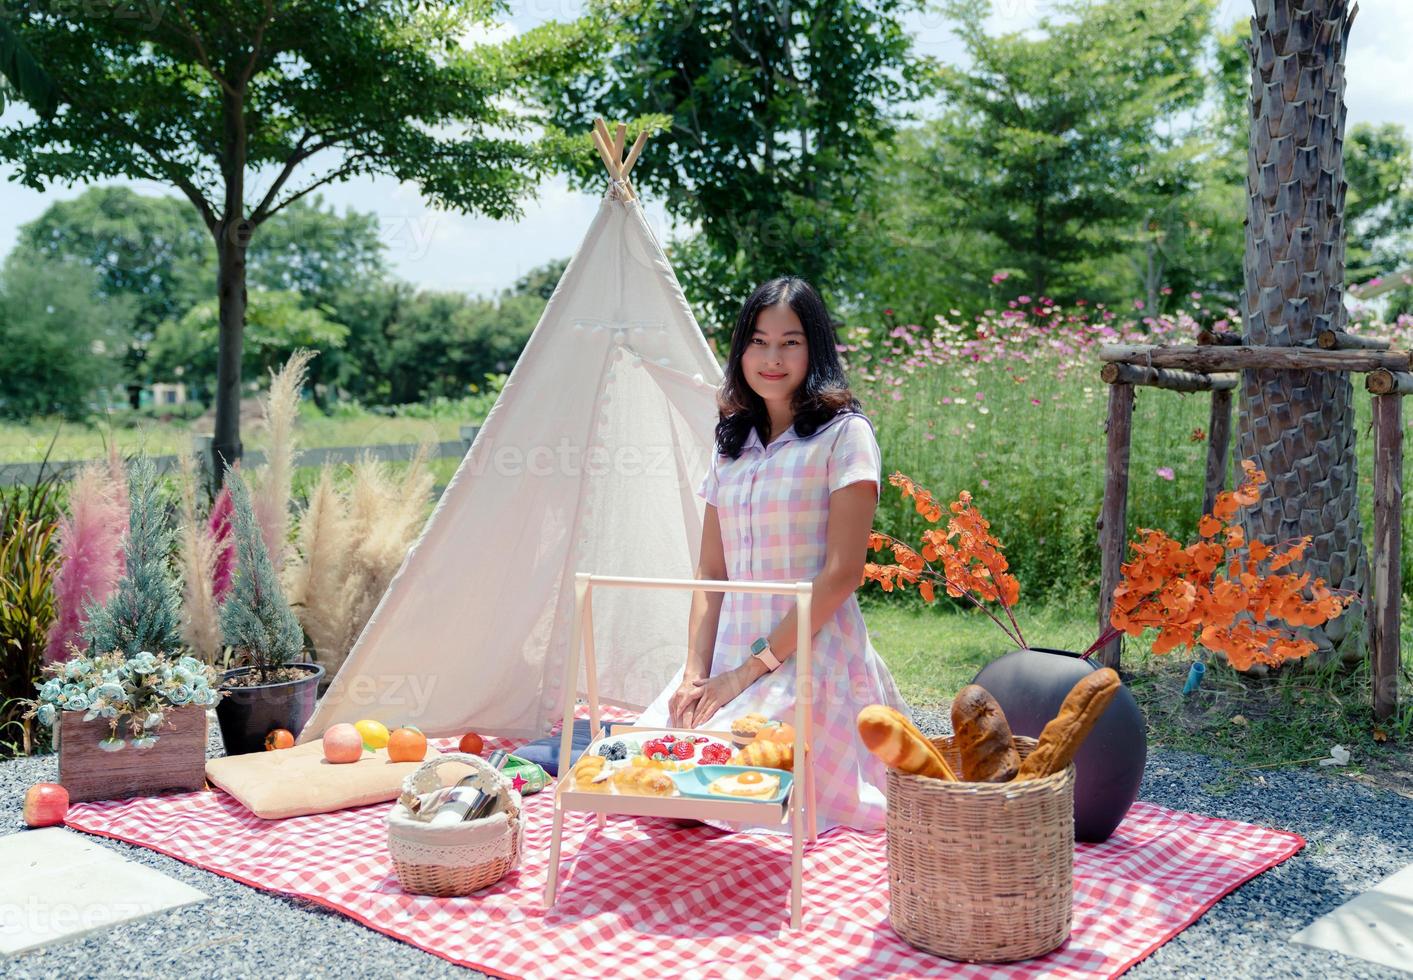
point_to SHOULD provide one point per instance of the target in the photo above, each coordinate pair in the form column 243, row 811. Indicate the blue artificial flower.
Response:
column 111, row 691
column 179, row 695
column 190, row 663
column 142, row 663
column 69, row 690
column 45, row 715
column 50, row 689
column 76, row 702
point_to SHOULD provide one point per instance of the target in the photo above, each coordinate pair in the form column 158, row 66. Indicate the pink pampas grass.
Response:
column 219, row 527
column 90, row 552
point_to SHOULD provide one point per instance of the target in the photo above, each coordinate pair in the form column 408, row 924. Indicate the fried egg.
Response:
column 750, row 783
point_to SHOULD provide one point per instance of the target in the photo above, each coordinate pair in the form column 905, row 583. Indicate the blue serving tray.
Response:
column 693, row 782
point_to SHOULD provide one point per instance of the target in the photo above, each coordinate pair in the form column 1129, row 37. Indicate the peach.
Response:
column 343, row 743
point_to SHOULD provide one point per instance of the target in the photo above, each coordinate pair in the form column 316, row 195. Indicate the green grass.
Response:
column 351, row 426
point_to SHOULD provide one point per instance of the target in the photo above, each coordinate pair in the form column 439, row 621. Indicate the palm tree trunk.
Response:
column 1299, row 425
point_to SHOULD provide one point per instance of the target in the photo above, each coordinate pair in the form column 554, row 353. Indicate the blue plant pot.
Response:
column 1030, row 685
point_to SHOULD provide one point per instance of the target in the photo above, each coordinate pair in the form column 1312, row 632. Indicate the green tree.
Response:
column 277, row 323
column 1059, row 144
column 205, row 96
column 256, row 619
column 771, row 115
column 1378, row 164
column 60, row 343
column 144, row 614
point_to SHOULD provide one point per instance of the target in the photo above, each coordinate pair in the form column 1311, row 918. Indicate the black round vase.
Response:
column 1030, row 685
column 248, row 714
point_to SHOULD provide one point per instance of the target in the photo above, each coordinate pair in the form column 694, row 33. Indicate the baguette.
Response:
column 983, row 737
column 1066, row 732
column 889, row 735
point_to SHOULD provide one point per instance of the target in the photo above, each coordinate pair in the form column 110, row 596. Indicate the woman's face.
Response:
column 776, row 358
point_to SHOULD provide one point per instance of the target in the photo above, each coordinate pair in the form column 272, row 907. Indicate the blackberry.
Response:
column 614, row 751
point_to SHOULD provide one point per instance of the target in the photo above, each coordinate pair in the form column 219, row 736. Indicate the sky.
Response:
column 449, row 251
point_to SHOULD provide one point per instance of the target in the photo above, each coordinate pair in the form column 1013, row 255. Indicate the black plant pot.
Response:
column 1030, row 685
column 248, row 714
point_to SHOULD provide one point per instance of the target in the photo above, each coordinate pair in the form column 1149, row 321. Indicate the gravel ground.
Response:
column 1357, row 837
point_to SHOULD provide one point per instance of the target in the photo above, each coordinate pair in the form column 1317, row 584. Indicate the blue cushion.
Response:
column 545, row 751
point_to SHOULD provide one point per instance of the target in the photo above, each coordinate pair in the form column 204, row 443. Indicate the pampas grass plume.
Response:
column 271, row 499
column 90, row 552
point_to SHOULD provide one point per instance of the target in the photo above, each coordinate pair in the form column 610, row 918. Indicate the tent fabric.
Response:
column 588, row 461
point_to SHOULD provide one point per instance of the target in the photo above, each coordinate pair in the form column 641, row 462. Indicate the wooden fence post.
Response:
column 1388, row 543
column 1113, row 517
column 1218, row 441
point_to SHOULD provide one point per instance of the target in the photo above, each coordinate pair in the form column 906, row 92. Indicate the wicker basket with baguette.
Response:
column 980, row 824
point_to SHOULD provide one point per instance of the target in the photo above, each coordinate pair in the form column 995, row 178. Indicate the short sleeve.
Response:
column 707, row 488
column 855, row 456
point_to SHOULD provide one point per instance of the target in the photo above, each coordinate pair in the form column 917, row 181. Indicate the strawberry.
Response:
column 654, row 748
column 716, row 754
column 682, row 750
column 669, row 739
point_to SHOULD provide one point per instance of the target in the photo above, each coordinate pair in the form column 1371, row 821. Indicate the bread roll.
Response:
column 983, row 737
column 893, row 738
column 768, row 755
column 1066, row 732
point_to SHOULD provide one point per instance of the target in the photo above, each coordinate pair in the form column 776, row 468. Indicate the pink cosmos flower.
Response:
column 1166, row 472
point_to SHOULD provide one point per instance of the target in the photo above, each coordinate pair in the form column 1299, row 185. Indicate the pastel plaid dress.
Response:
column 773, row 506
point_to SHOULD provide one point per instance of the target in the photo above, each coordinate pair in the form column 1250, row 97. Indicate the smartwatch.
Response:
column 760, row 649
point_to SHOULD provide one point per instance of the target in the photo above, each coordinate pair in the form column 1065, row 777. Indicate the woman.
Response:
column 790, row 496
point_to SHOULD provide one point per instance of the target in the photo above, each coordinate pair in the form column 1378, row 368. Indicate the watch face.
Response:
column 760, row 644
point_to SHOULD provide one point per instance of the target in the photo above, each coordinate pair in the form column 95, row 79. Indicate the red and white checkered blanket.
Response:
column 641, row 899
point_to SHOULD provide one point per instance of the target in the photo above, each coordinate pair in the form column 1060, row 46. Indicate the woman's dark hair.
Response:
column 822, row 395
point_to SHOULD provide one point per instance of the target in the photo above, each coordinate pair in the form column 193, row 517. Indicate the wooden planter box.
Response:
column 176, row 762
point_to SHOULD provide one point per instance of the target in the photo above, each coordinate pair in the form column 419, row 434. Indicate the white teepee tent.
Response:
column 588, row 461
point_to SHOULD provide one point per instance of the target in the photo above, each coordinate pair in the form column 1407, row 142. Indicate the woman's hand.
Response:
column 715, row 692
column 683, row 703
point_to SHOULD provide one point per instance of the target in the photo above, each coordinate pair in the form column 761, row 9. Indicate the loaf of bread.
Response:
column 889, row 735
column 983, row 737
column 1066, row 732
column 768, row 755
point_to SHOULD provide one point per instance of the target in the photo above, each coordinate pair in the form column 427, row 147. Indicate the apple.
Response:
column 343, row 743
column 46, row 805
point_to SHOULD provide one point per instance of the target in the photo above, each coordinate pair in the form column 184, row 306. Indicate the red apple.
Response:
column 46, row 805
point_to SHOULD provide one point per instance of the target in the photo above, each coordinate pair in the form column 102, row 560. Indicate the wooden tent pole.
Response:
column 607, row 157
column 618, row 141
column 1113, row 517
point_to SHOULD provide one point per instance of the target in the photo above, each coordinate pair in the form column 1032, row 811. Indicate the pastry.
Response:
column 983, row 737
column 769, row 755
column 586, row 771
column 747, row 726
column 889, row 735
column 643, row 781
column 1066, row 732
column 750, row 784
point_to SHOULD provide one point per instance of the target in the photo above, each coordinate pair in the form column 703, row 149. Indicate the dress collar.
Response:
column 789, row 435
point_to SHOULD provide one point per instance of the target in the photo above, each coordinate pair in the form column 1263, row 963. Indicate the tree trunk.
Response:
column 230, row 288
column 232, row 239
column 1299, row 425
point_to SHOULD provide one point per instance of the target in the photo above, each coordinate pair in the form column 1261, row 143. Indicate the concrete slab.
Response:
column 56, row 884
column 1376, row 926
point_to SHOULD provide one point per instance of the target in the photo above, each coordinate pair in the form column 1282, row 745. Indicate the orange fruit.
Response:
column 279, row 738
column 780, row 733
column 471, row 744
column 407, row 745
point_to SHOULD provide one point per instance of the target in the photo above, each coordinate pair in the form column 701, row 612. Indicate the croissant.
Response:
column 768, row 755
column 893, row 738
